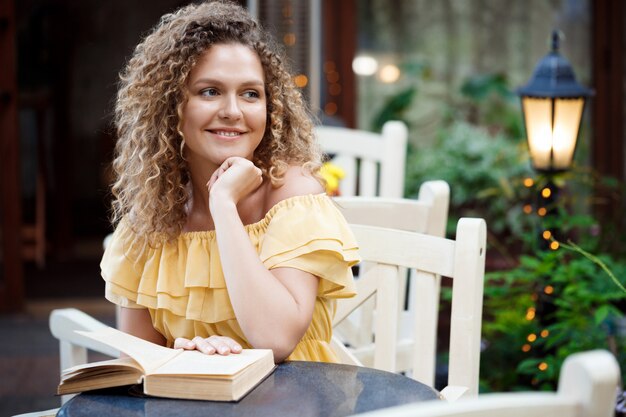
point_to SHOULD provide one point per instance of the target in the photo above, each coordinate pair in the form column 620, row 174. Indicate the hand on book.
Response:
column 172, row 373
column 221, row 345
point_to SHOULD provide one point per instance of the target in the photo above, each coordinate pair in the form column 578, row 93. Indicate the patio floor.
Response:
column 29, row 357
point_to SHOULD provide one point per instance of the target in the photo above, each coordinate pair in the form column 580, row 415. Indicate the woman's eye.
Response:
column 209, row 92
column 251, row 94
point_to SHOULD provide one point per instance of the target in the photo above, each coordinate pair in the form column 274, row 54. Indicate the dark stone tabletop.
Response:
column 304, row 389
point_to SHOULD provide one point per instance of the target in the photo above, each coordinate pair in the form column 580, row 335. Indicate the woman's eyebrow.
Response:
column 213, row 81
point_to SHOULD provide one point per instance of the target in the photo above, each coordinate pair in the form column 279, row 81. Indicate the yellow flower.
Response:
column 332, row 174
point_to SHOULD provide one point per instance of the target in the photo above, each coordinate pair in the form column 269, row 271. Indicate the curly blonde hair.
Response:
column 151, row 175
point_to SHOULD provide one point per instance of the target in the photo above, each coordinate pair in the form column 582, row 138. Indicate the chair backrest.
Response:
column 588, row 385
column 73, row 347
column 427, row 214
column 373, row 163
column 385, row 252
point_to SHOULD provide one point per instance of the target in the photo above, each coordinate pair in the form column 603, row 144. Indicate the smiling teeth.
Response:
column 230, row 134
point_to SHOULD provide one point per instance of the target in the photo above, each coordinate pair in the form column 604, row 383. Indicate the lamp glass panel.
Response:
column 567, row 114
column 538, row 119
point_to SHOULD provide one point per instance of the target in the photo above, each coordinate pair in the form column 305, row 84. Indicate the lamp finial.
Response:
column 556, row 38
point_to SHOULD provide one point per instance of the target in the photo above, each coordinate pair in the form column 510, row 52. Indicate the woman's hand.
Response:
column 221, row 345
column 234, row 179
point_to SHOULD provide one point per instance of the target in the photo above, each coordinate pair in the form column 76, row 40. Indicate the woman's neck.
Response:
column 198, row 214
column 251, row 208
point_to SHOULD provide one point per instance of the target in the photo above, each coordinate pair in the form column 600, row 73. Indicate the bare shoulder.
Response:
column 297, row 181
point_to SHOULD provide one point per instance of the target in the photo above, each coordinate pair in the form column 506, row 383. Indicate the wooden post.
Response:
column 608, row 103
column 339, row 22
column 11, row 283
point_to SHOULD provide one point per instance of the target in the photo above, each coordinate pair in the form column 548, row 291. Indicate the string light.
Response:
column 542, row 211
column 548, row 289
column 330, row 108
column 334, row 89
column 329, row 66
column 287, row 10
column 528, row 209
column 289, row 39
column 528, row 182
column 364, row 65
column 542, row 366
column 531, row 337
column 547, row 234
column 332, row 76
column 546, row 192
column 554, row 245
column 545, row 333
column 530, row 313
column 526, row 348
column 301, row 80
column 389, row 74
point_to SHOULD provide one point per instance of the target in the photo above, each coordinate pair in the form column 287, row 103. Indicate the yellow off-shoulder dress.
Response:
column 182, row 285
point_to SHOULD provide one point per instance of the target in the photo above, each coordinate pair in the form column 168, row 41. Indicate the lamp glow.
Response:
column 553, row 104
column 364, row 65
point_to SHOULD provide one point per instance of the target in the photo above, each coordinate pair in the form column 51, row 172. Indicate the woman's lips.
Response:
column 226, row 134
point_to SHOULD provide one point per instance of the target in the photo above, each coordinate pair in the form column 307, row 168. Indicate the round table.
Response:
column 304, row 389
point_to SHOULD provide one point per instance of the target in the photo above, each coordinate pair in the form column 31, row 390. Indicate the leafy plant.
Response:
column 485, row 170
column 394, row 108
column 555, row 303
column 547, row 304
column 491, row 103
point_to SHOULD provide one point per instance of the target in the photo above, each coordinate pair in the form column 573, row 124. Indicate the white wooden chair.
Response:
column 373, row 162
column 73, row 347
column 587, row 387
column 385, row 252
column 427, row 214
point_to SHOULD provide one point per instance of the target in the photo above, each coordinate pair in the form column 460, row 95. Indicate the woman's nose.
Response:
column 230, row 108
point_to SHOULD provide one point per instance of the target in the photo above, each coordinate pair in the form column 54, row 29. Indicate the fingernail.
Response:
column 223, row 350
column 189, row 344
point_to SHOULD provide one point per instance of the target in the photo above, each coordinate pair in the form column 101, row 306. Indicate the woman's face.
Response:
column 226, row 112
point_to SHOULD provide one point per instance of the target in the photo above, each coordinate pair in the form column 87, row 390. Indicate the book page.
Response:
column 86, row 368
column 193, row 362
column 147, row 354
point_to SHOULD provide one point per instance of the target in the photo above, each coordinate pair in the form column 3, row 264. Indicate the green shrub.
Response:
column 485, row 172
column 568, row 299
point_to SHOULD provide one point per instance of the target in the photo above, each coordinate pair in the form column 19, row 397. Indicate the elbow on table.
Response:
column 281, row 348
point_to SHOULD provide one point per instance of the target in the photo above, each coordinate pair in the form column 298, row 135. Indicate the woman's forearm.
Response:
column 272, row 313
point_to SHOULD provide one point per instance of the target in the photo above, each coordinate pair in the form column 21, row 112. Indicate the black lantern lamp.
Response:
column 553, row 103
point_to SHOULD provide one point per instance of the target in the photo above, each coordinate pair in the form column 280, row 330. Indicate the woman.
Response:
column 224, row 239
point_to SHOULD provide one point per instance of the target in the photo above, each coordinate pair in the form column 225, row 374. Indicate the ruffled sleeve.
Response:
column 183, row 277
column 122, row 265
column 309, row 233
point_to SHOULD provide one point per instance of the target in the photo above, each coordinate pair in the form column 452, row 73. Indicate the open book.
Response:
column 171, row 373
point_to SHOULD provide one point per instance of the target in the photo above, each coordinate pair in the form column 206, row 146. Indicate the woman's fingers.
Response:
column 204, row 346
column 215, row 344
column 233, row 346
column 219, row 171
column 182, row 343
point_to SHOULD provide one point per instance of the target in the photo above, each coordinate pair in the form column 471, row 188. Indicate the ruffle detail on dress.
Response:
column 313, row 350
column 309, row 233
column 185, row 277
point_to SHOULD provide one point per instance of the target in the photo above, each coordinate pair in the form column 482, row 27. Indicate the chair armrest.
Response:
column 453, row 392
column 64, row 323
column 343, row 354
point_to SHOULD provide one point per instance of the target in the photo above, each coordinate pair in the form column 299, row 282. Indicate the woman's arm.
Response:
column 274, row 308
column 137, row 321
